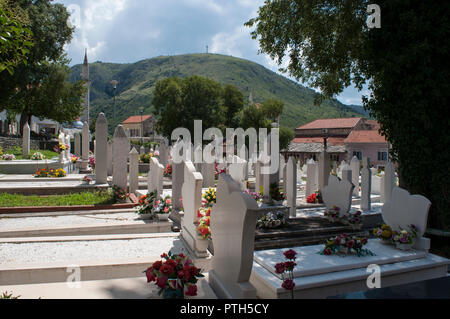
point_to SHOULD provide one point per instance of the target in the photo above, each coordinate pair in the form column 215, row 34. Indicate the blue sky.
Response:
column 126, row 31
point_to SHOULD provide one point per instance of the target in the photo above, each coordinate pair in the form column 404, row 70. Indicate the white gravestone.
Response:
column 338, row 193
column 101, row 149
column 366, row 186
column 347, row 173
column 208, row 169
column 192, row 200
column 109, row 157
column 323, row 169
column 403, row 210
column 142, row 150
column 164, row 154
column 258, row 176
column 178, row 176
column 121, row 148
column 134, row 171
column 291, row 186
column 77, row 144
column 354, row 165
column 25, row 141
column 282, row 167
column 237, row 171
column 155, row 176
column 311, row 177
column 85, row 138
column 233, row 223
column 68, row 149
column 388, row 181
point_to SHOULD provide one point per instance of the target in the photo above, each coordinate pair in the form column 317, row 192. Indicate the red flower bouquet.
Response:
column 176, row 276
column 286, row 270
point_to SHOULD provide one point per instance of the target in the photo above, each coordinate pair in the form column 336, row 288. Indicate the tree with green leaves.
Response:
column 330, row 46
column 14, row 39
column 233, row 100
column 41, row 87
column 178, row 102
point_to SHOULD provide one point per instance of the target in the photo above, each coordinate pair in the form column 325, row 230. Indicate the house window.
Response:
column 358, row 154
column 382, row 156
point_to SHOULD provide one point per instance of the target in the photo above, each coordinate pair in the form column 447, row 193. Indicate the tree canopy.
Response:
column 41, row 87
column 405, row 63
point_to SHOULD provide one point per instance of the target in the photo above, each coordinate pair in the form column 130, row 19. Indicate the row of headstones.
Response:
column 317, row 174
column 233, row 221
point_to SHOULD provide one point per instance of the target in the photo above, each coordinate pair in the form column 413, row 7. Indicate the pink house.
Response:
column 345, row 138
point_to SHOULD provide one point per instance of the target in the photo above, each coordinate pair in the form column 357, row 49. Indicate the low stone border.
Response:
column 40, row 209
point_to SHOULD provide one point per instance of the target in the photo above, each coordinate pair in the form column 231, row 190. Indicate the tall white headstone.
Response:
column 237, row 171
column 109, row 157
column 354, row 165
column 324, row 169
column 389, row 181
column 155, row 176
column 164, row 154
column 134, row 171
column 25, row 141
column 77, row 144
column 290, row 183
column 85, row 138
column 192, row 200
column 68, row 147
column 233, row 223
column 366, row 185
column 347, row 173
column 311, row 177
column 121, row 148
column 208, row 169
column 101, row 149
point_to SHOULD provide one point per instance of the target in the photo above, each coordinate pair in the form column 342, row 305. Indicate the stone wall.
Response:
column 9, row 142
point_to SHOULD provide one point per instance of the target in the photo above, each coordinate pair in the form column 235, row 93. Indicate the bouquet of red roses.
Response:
column 176, row 276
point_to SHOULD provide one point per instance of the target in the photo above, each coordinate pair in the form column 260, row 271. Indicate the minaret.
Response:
column 85, row 77
column 250, row 98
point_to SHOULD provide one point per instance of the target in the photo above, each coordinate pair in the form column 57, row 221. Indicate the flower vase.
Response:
column 61, row 157
column 343, row 250
column 163, row 217
column 201, row 244
column 385, row 241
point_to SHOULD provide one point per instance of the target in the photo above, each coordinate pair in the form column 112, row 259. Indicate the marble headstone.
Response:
column 192, row 200
column 233, row 224
column 134, row 171
column 338, row 193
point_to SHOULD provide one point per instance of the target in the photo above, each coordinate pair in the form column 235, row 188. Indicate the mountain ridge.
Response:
column 137, row 81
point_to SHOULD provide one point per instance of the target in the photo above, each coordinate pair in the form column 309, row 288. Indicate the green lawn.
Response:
column 85, row 198
column 17, row 152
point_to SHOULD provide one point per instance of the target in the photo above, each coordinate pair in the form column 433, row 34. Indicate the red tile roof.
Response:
column 330, row 140
column 368, row 136
column 349, row 122
column 136, row 119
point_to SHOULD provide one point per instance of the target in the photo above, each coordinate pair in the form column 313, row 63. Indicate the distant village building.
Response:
column 345, row 138
column 140, row 126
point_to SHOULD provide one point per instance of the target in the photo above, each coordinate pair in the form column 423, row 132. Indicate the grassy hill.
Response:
column 137, row 81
